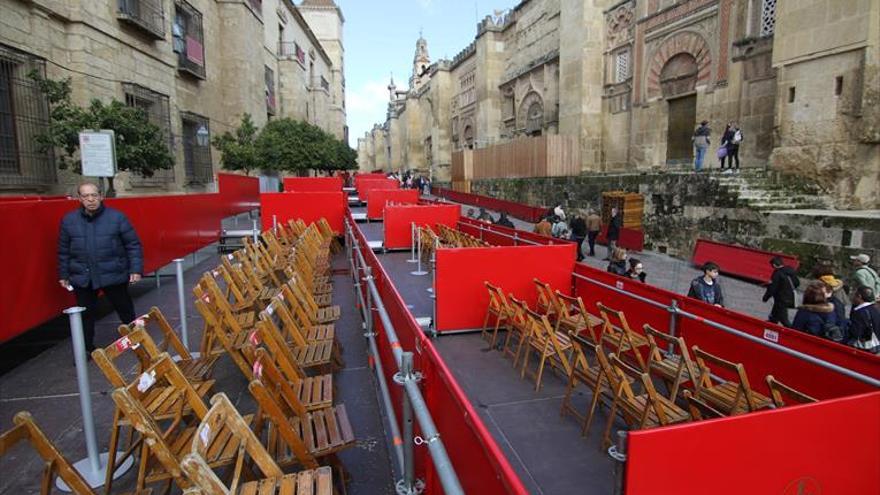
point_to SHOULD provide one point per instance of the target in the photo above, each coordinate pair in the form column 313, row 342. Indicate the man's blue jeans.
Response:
column 698, row 161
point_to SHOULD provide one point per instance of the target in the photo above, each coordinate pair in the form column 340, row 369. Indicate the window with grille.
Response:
column 147, row 15
column 157, row 108
column 768, row 17
column 270, row 91
column 188, row 39
column 196, row 137
column 621, row 66
column 24, row 114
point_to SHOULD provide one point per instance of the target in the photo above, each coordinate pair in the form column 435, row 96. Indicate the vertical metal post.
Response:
column 275, row 224
column 181, row 301
column 406, row 372
column 419, row 270
column 673, row 322
column 618, row 453
column 412, row 239
column 93, row 467
column 515, row 238
column 255, row 230
column 434, row 287
column 368, row 275
column 158, row 277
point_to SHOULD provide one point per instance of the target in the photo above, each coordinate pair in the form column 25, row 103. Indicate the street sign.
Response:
column 98, row 153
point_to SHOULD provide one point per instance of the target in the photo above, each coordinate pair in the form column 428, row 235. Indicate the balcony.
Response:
column 291, row 50
column 146, row 15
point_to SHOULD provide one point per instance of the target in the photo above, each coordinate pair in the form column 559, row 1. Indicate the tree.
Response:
column 238, row 149
column 297, row 146
column 141, row 146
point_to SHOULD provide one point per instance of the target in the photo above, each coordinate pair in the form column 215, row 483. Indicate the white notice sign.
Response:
column 98, row 153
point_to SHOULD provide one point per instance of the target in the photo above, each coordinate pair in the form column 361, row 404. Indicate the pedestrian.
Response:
column 470, row 213
column 613, row 233
column 832, row 286
column 863, row 274
column 559, row 212
column 578, row 234
column 733, row 148
column 504, row 221
column 864, row 321
column 825, row 268
column 816, row 316
column 781, row 288
column 484, row 216
column 726, row 139
column 594, row 226
column 544, row 227
column 426, row 186
column 706, row 287
column 560, row 229
column 636, row 270
column 98, row 249
column 701, row 143
column 617, row 265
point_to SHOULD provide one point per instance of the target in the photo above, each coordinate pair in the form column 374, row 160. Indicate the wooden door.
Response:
column 680, row 129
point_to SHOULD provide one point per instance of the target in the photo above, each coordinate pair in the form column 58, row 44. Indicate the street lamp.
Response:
column 202, row 136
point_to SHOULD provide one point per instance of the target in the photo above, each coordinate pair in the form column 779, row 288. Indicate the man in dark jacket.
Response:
column 706, row 287
column 783, row 282
column 578, row 234
column 98, row 249
column 504, row 221
column 614, row 226
column 864, row 320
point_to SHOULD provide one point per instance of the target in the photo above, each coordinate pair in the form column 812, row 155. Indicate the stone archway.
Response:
column 687, row 43
column 468, row 137
column 531, row 114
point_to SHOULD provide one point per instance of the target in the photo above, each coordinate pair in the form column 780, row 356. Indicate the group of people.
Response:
column 580, row 229
column 823, row 309
column 728, row 150
column 409, row 180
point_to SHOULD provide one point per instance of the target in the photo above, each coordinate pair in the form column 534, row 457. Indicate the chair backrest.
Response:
column 699, row 409
column 26, row 430
column 781, row 392
column 270, row 336
column 744, row 391
column 573, row 308
column 224, row 417
column 615, row 325
column 289, row 325
column 544, row 303
column 663, row 346
column 155, row 319
column 136, row 341
column 519, row 319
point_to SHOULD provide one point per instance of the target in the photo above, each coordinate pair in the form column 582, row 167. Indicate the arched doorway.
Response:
column 532, row 114
column 468, row 137
column 678, row 79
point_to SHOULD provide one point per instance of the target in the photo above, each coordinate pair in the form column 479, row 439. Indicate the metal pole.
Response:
column 673, row 322
column 516, row 239
column 256, row 232
column 158, row 277
column 618, row 453
column 408, row 441
column 419, row 271
column 93, row 467
column 412, row 240
column 181, row 301
column 275, row 223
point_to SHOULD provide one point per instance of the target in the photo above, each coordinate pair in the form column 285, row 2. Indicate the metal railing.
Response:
column 515, row 236
column 414, row 404
column 675, row 312
column 147, row 15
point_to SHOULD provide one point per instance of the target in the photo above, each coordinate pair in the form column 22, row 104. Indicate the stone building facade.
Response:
column 632, row 78
column 195, row 67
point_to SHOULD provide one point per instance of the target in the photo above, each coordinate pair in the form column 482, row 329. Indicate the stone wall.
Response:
column 682, row 207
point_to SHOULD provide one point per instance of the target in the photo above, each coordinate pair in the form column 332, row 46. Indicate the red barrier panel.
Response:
column 517, row 210
column 480, row 464
column 759, row 360
column 312, row 184
column 630, row 239
column 742, row 261
column 366, row 186
column 363, row 177
column 379, row 197
column 308, row 206
column 239, row 192
column 460, row 273
column 825, row 448
column 398, row 220
column 169, row 227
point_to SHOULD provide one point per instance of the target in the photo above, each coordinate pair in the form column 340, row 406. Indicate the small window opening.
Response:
column 838, row 85
column 791, row 94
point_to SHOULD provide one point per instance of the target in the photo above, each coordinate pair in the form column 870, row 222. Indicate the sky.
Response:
column 380, row 39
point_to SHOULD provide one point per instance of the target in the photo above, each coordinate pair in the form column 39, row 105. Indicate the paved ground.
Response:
column 45, row 385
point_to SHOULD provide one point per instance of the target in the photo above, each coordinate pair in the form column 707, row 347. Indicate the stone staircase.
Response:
column 764, row 190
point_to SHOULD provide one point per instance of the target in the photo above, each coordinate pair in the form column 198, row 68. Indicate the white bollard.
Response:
column 94, row 467
column 181, row 301
column 412, row 240
column 256, row 231
column 419, row 271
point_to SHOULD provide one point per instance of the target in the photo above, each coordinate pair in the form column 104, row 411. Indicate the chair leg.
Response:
column 606, row 437
column 540, row 371
column 485, row 328
column 111, row 453
column 597, row 392
column 522, row 373
column 495, row 331
column 566, row 401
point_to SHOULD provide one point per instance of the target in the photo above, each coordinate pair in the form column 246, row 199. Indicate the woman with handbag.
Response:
column 816, row 316
column 864, row 321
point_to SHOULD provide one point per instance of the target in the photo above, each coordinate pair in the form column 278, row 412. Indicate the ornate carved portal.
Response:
column 532, row 114
column 679, row 75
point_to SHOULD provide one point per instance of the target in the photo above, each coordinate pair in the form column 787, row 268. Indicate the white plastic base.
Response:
column 418, row 273
column 95, row 480
column 412, row 261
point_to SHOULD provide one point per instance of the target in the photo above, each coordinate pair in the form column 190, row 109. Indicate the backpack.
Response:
column 737, row 137
column 832, row 332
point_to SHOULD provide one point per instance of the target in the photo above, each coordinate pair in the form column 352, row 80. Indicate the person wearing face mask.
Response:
column 98, row 249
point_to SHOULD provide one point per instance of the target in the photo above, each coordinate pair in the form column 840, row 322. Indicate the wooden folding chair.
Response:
column 317, row 314
column 698, row 409
column 313, row 392
column 731, row 397
column 546, row 302
column 550, row 345
column 294, row 435
column 165, row 446
column 620, row 336
column 671, row 362
column 305, row 319
column 26, row 430
column 582, row 372
column 646, row 410
column 518, row 329
column 781, row 392
column 160, row 403
column 573, row 318
column 316, row 356
column 194, row 369
column 223, row 418
column 497, row 308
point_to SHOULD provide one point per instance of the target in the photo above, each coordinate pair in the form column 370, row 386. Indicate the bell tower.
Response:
column 421, row 62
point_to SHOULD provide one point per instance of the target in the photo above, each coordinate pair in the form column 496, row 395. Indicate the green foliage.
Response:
column 295, row 146
column 238, row 149
column 141, row 147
